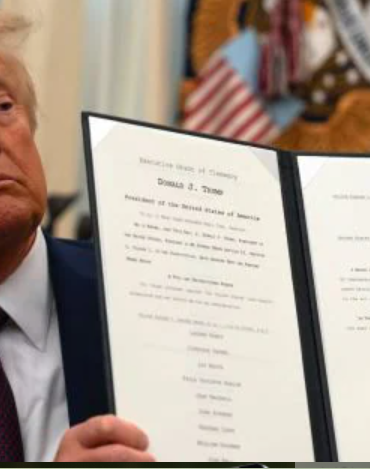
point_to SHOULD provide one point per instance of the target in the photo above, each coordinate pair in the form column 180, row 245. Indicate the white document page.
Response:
column 337, row 206
column 202, row 318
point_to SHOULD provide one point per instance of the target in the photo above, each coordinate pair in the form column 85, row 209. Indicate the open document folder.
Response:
column 235, row 289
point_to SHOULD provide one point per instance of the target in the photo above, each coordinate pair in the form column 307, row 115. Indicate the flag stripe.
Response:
column 258, row 131
column 234, row 112
column 199, row 120
column 224, row 104
column 244, row 116
column 210, row 115
column 271, row 135
column 210, row 92
column 213, row 63
column 247, row 127
column 206, row 82
column 259, row 137
column 234, row 100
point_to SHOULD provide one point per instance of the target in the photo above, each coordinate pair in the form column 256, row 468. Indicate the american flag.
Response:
column 228, row 101
column 224, row 104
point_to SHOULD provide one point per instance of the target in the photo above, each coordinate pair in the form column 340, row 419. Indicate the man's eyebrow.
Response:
column 5, row 85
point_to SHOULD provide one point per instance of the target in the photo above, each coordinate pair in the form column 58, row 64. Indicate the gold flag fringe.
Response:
column 348, row 129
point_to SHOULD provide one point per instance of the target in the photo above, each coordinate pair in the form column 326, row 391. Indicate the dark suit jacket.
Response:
column 74, row 279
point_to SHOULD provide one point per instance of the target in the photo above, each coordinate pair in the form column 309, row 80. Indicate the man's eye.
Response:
column 6, row 106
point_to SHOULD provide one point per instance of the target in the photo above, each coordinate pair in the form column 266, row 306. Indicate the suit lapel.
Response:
column 73, row 275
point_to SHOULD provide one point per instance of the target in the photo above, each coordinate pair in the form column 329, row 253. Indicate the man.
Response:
column 51, row 352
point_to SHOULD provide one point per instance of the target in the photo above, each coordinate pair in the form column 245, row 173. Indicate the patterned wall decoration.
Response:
column 316, row 52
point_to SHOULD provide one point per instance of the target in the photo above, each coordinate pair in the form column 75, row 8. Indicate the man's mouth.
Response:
column 4, row 178
column 6, row 182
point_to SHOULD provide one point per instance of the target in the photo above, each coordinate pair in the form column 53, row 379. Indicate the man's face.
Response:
column 22, row 181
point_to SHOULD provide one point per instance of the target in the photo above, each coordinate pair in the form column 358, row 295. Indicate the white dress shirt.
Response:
column 31, row 355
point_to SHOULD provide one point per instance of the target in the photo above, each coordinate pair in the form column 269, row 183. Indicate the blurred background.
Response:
column 286, row 73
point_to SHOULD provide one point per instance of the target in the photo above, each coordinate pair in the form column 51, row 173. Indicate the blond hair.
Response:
column 14, row 30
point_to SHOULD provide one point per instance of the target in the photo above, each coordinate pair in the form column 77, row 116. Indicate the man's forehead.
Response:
column 9, row 75
column 5, row 85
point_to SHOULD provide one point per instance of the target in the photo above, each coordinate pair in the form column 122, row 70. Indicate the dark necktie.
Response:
column 11, row 446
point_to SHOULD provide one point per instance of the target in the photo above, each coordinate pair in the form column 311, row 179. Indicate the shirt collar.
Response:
column 26, row 295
